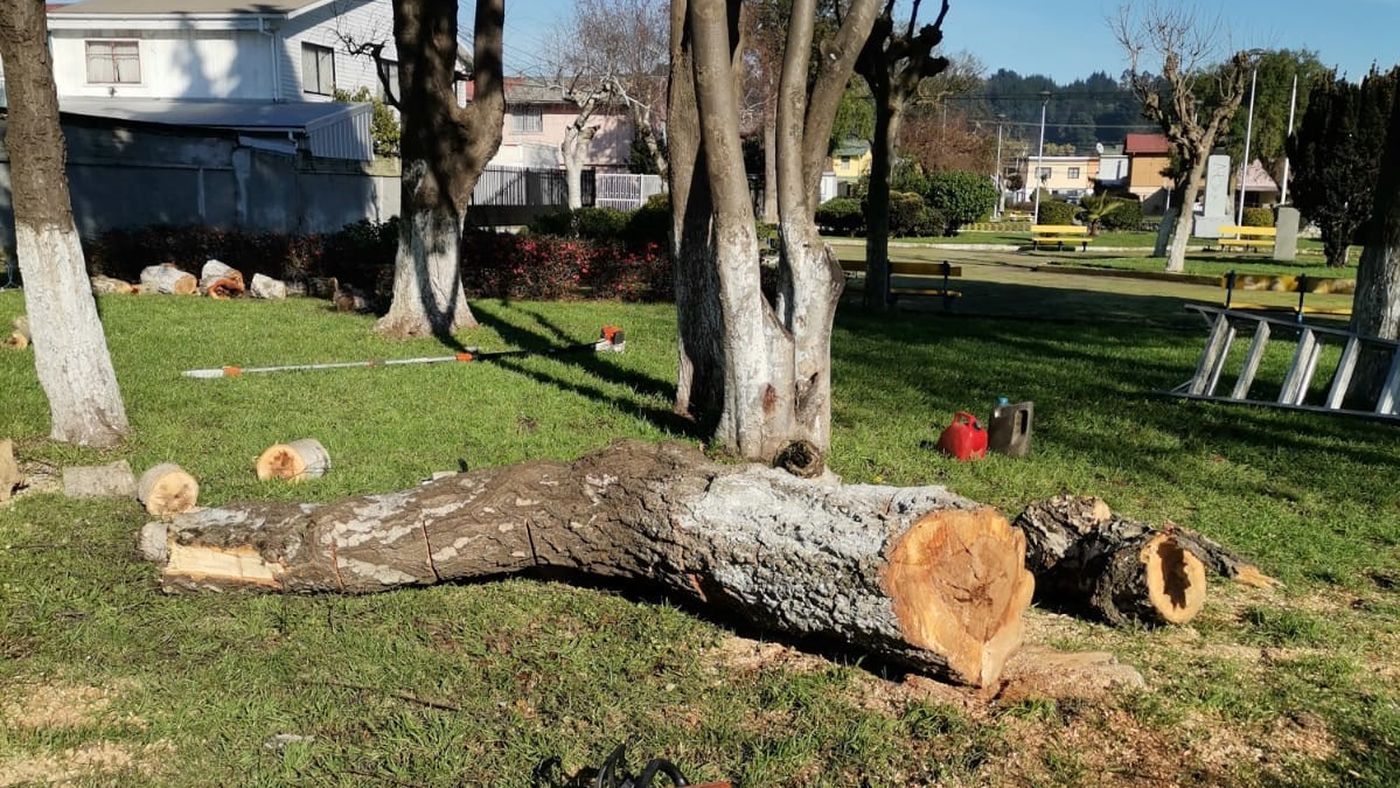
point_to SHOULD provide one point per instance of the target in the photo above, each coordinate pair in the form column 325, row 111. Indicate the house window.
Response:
column 389, row 70
column 845, row 159
column 526, row 120
column 1073, row 173
column 317, row 69
column 1043, row 173
column 113, row 62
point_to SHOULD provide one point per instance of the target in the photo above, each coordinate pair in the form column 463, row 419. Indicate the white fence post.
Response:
column 625, row 191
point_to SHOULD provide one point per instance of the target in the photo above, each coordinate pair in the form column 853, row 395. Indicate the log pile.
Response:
column 915, row 576
column 1086, row 557
column 19, row 337
column 220, row 281
column 268, row 288
column 168, row 279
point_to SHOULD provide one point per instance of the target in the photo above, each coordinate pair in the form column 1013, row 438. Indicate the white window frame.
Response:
column 1074, row 173
column 312, row 83
column 112, row 55
column 526, row 119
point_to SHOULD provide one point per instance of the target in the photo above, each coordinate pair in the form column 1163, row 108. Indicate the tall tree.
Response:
column 445, row 147
column 1191, row 115
column 1336, row 153
column 1269, row 136
column 893, row 63
column 70, row 348
column 755, row 368
column 1376, row 305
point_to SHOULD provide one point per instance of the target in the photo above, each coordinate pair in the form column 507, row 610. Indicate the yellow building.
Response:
column 1063, row 176
column 1148, row 156
column 850, row 160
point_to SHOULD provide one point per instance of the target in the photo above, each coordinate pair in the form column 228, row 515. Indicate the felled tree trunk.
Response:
column 220, row 281
column 1084, row 556
column 916, row 576
column 168, row 279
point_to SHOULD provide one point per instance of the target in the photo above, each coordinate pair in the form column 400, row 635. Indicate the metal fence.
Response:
column 511, row 187
column 625, row 191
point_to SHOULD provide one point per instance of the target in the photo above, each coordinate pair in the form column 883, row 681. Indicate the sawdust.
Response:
column 60, row 706
column 745, row 655
column 88, row 761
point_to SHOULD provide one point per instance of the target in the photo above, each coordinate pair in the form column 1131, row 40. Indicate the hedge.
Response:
column 1258, row 217
column 1057, row 212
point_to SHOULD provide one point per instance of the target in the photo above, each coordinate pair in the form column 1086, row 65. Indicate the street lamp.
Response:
column 1040, row 154
column 1248, row 131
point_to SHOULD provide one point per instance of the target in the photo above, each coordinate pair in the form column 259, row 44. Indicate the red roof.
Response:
column 1145, row 143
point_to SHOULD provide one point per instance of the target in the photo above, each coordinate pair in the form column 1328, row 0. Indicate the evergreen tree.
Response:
column 1336, row 153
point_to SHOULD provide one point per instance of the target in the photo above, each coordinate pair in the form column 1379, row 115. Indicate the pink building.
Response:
column 536, row 118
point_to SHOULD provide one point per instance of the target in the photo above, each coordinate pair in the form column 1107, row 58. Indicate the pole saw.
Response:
column 610, row 340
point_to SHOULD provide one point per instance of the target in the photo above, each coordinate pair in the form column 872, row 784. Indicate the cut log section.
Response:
column 167, row 490
column 114, row 480
column 296, row 461
column 106, row 285
column 267, row 287
column 220, row 281
column 168, row 279
column 20, row 337
column 915, row 576
column 1084, row 556
column 10, row 477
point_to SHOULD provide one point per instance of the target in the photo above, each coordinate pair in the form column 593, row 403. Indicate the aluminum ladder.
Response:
column 1225, row 326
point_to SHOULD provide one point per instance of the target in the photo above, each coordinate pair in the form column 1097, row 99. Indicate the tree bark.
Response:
column 70, row 347
column 915, row 576
column 770, row 164
column 445, row 147
column 1181, row 235
column 877, row 216
column 1376, row 305
column 574, row 152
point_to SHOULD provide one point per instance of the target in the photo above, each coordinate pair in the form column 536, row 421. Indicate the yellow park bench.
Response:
column 931, row 279
column 1247, row 238
column 1058, row 234
column 1301, row 284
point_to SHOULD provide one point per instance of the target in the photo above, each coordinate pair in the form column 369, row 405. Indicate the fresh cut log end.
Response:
column 19, row 337
column 1175, row 579
column 167, row 489
column 959, row 586
column 295, row 461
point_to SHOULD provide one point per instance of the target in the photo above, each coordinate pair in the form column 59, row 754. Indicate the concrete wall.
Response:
column 130, row 177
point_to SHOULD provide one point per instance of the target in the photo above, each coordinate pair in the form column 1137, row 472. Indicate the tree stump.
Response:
column 167, row 489
column 268, row 288
column 114, row 480
column 220, row 281
column 915, row 576
column 296, row 461
column 168, row 279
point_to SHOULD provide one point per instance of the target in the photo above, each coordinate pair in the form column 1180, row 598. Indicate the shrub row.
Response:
column 939, row 204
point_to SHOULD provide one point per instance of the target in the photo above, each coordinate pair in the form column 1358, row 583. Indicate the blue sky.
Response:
column 1070, row 38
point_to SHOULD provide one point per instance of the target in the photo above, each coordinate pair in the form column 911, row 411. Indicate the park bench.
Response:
column 1058, row 234
column 932, row 279
column 1247, row 238
column 1301, row 284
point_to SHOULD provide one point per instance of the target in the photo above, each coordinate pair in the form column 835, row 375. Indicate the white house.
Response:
column 217, row 59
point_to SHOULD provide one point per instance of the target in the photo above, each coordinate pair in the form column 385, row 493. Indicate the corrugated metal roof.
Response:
column 185, row 7
column 214, row 114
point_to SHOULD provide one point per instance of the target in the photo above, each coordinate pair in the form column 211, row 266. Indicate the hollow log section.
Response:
column 167, row 490
column 168, row 279
column 915, row 576
column 295, row 461
column 220, row 281
column 1085, row 556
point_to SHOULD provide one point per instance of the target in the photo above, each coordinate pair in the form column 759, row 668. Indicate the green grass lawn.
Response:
column 1208, row 264
column 477, row 684
column 1142, row 240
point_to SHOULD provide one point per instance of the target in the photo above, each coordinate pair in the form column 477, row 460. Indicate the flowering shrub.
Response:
column 501, row 265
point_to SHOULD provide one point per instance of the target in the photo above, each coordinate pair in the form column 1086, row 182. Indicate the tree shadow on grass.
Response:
column 594, row 364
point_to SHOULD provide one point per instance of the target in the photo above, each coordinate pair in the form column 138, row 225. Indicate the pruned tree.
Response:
column 70, row 347
column 1336, row 154
column 755, row 367
column 588, row 95
column 893, row 63
column 1180, row 48
column 444, row 147
column 1376, row 305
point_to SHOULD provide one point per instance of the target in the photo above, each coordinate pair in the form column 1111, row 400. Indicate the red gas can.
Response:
column 964, row 439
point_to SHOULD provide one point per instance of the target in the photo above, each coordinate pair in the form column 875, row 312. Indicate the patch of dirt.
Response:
column 39, row 478
column 745, row 655
column 60, row 706
column 1036, row 672
column 87, row 761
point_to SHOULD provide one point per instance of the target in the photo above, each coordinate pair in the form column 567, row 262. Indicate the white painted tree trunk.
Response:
column 574, row 151
column 1176, row 253
column 70, row 346
column 428, row 296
